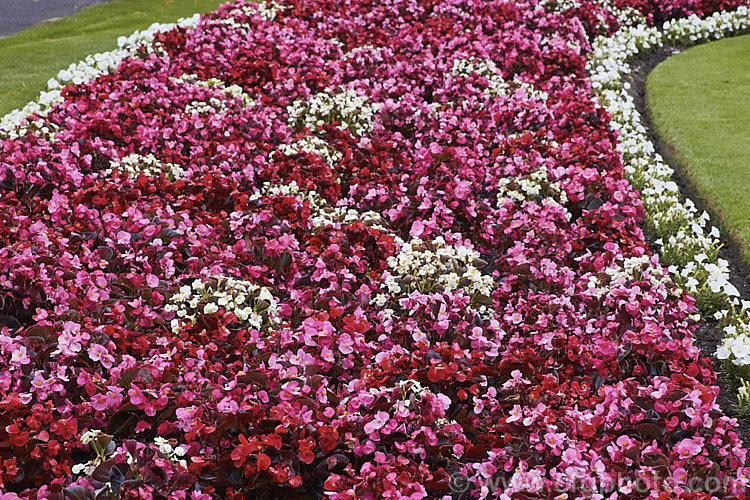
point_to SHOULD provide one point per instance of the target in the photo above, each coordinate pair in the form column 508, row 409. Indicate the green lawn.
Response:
column 30, row 58
column 700, row 104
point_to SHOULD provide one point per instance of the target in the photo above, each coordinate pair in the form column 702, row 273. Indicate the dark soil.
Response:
column 707, row 336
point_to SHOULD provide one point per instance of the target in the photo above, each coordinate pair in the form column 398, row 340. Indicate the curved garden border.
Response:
column 715, row 291
column 680, row 232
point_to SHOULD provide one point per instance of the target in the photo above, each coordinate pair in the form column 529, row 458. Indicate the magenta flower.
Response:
column 680, row 475
column 186, row 417
column 688, row 448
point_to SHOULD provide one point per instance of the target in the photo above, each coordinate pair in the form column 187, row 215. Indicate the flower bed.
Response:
column 294, row 249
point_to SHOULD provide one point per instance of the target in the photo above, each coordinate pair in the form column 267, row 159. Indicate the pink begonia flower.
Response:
column 228, row 405
column 326, row 354
column 39, row 384
column 152, row 281
column 346, row 344
column 680, row 475
column 379, row 420
column 555, row 440
column 37, row 227
column 624, row 442
column 70, row 340
column 571, row 456
column 536, row 412
column 486, row 469
column 515, row 414
column 99, row 402
column 420, row 336
column 151, row 230
column 57, row 203
column 301, row 358
column 186, row 418
column 515, row 318
column 478, row 405
column 462, row 190
column 123, row 237
column 114, row 396
column 136, row 395
column 688, row 448
column 417, row 228
column 365, row 449
column 96, row 351
column 289, row 390
column 19, row 356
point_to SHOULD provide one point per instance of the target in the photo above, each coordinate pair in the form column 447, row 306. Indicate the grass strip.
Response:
column 699, row 101
column 33, row 56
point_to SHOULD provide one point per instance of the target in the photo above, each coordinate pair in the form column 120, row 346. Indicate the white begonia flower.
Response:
column 690, row 252
column 723, row 352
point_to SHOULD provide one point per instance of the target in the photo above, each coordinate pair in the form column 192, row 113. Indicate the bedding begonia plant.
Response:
column 325, row 249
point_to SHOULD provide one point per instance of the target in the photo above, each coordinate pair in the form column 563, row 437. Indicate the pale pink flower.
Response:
column 688, row 448
column 346, row 344
column 379, row 420
column 19, row 356
column 417, row 228
column 228, row 405
column 514, row 415
column 680, row 475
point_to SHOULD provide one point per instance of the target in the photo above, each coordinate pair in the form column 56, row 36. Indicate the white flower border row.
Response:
column 686, row 247
column 13, row 124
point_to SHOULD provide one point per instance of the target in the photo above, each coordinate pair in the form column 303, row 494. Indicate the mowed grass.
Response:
column 30, row 58
column 699, row 102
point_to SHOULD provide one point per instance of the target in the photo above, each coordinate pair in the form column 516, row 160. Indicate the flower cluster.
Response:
column 214, row 104
column 268, row 10
column 675, row 10
column 368, row 267
column 251, row 304
column 148, row 165
column 346, row 108
column 535, row 186
column 429, row 266
column 497, row 86
column 313, row 145
column 19, row 122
